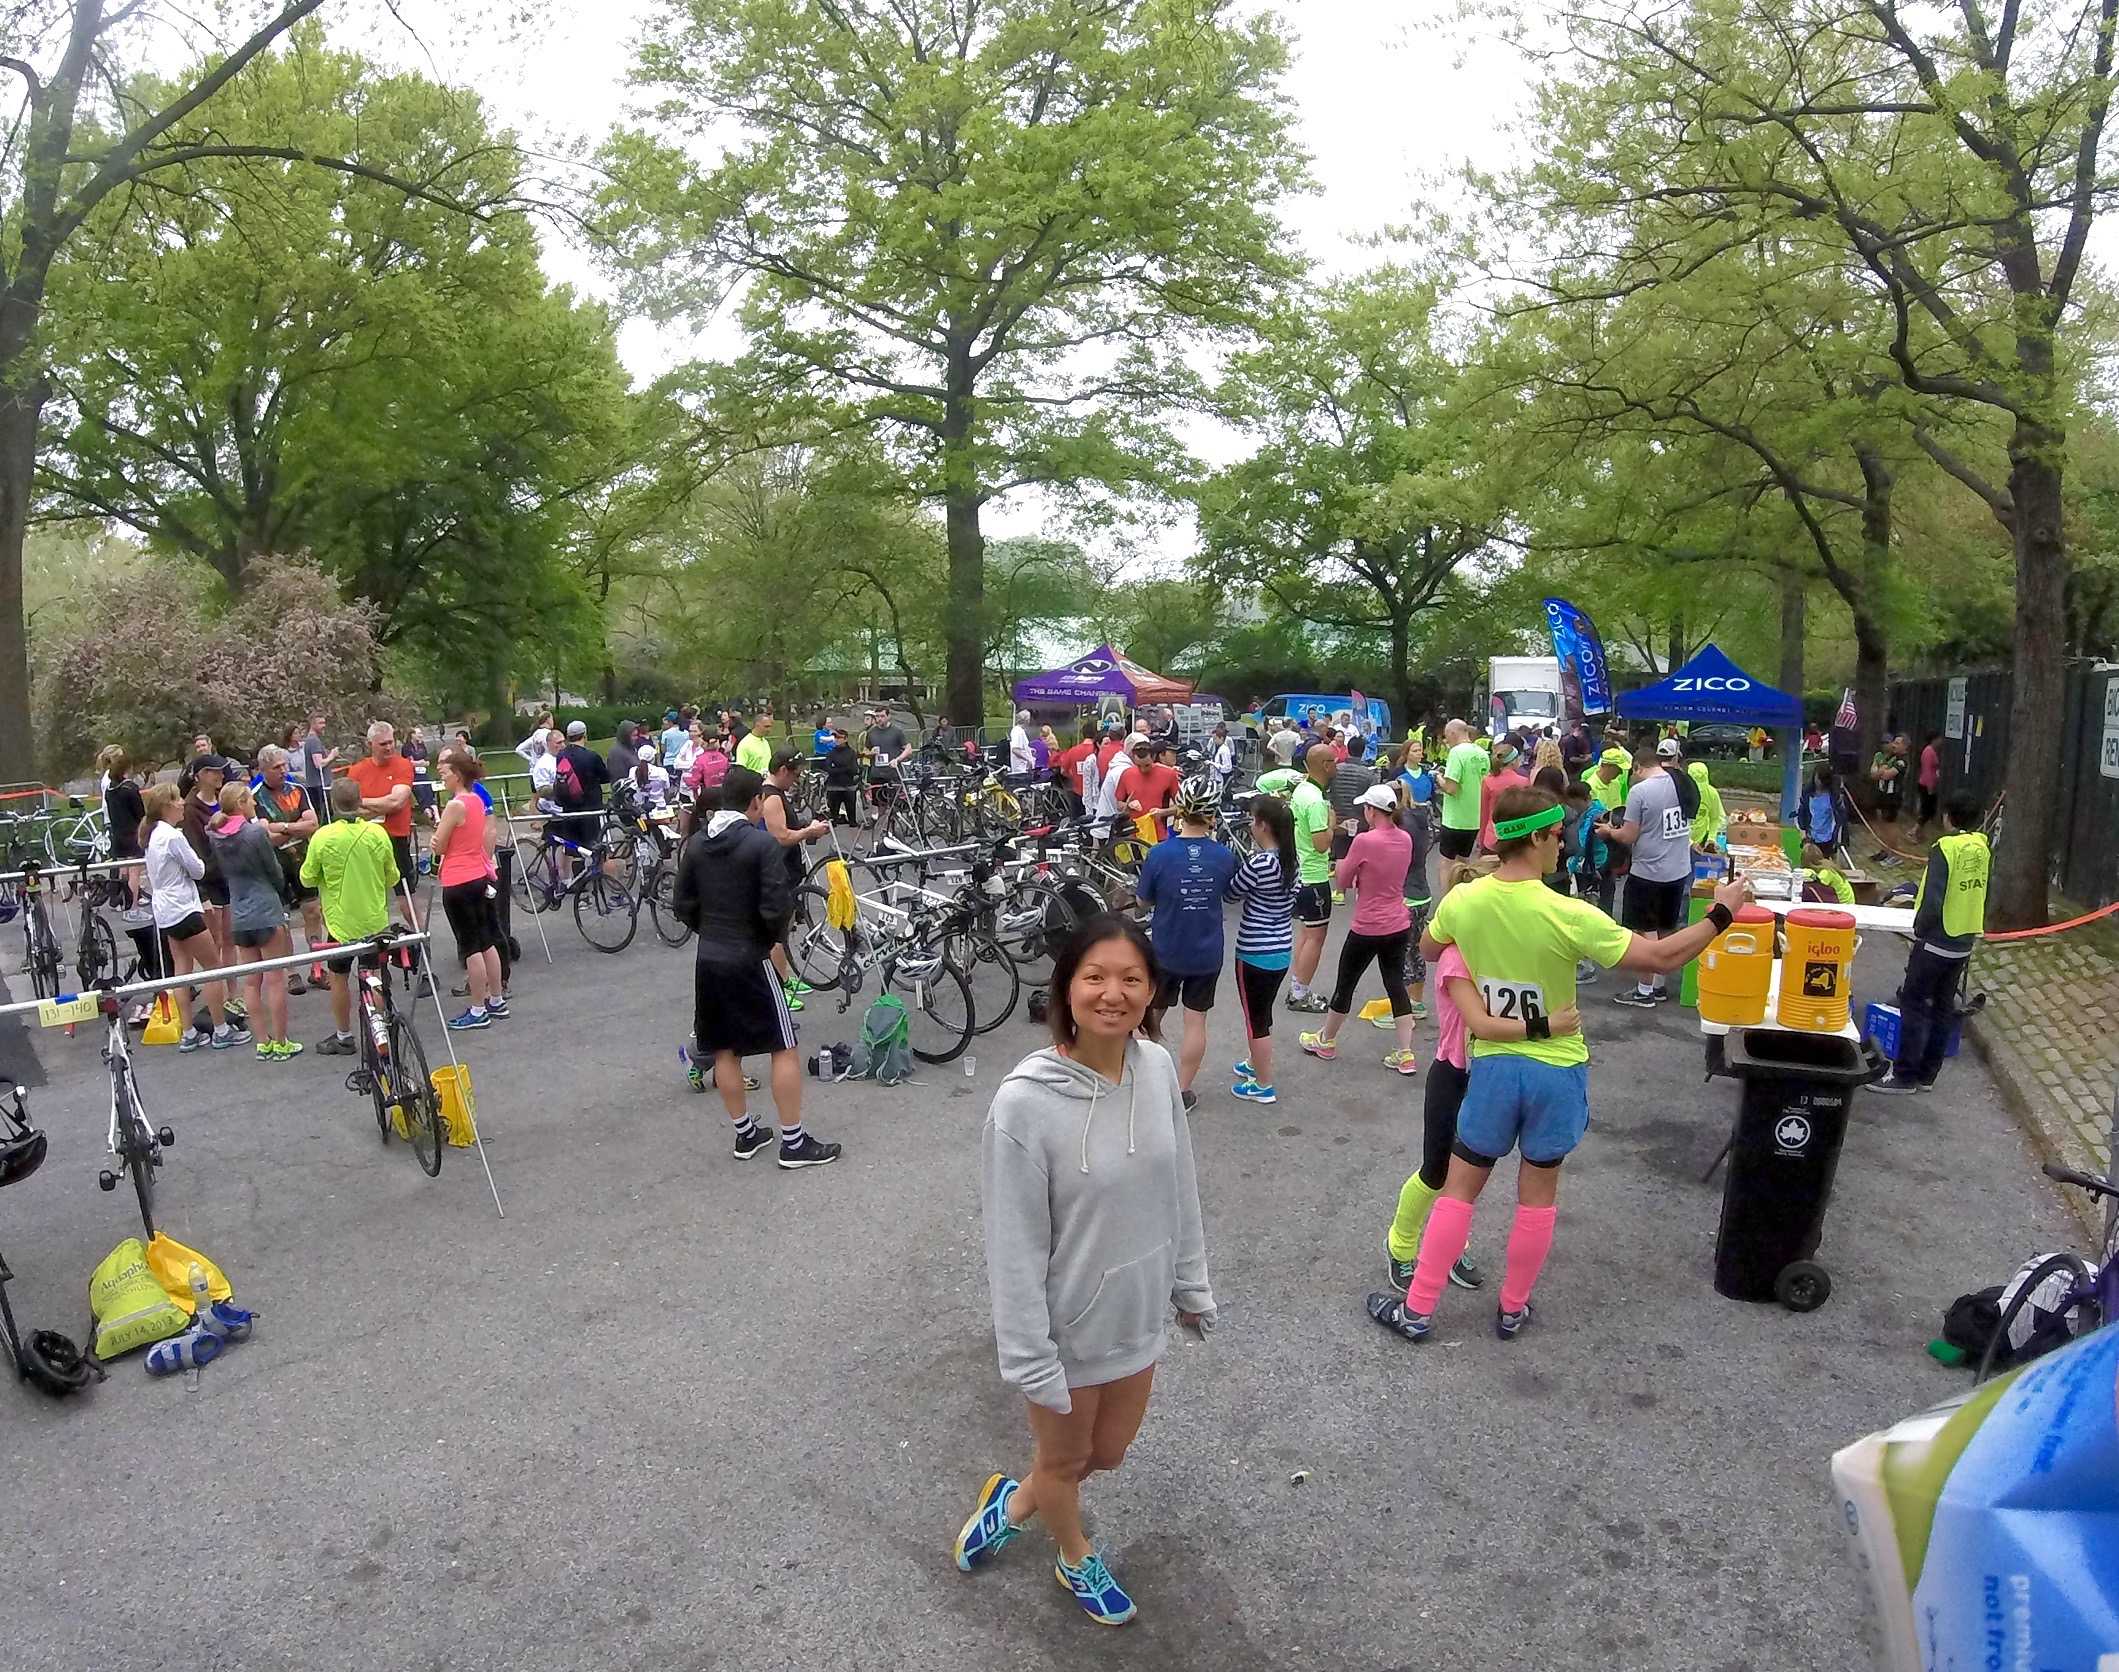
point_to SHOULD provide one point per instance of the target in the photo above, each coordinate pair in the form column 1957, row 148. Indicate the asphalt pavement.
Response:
column 680, row 1412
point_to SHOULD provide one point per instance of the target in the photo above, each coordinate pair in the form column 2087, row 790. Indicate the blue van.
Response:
column 1376, row 723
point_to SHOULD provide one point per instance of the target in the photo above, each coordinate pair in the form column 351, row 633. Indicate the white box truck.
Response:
column 1522, row 691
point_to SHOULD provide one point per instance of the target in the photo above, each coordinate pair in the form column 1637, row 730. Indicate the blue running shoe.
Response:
column 1252, row 1092
column 468, row 1020
column 1094, row 1588
column 1509, row 1325
column 1244, row 1071
column 1394, row 1315
column 989, row 1527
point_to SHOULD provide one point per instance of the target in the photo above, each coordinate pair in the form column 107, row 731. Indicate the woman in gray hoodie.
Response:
column 1092, row 1237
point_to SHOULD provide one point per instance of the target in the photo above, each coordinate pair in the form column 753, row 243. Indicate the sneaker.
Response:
column 336, row 1045
column 290, row 1049
column 469, row 1019
column 1311, row 1004
column 192, row 1040
column 462, row 990
column 989, row 1528
column 1191, row 1100
column 760, row 1137
column 296, row 986
column 1403, row 1061
column 236, row 1010
column 497, row 1009
column 1401, row 1270
column 1391, row 1313
column 267, row 1051
column 1317, row 1045
column 1244, row 1071
column 695, row 1076
column 1465, row 1274
column 1586, row 972
column 228, row 1037
column 793, row 998
column 1252, row 1092
column 796, row 987
column 1386, row 1022
column 1419, row 1010
column 1338, row 897
column 1509, row 1325
column 1094, row 1588
column 808, row 1153
column 1892, row 1086
column 1634, row 999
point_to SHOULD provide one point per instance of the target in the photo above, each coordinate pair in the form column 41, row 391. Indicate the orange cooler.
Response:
column 1815, row 974
column 1736, row 970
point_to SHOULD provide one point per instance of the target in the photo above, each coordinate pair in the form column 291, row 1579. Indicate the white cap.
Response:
column 1668, row 748
column 1379, row 796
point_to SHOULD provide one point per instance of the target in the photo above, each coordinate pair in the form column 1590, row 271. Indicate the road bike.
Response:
column 393, row 1067
column 910, row 954
column 2090, row 1299
column 606, row 910
column 96, row 947
column 40, row 946
column 79, row 835
column 135, row 1145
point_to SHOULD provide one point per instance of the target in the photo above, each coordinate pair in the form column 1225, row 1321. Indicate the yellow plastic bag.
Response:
column 170, row 1261
column 131, row 1307
column 459, row 1108
column 1149, row 829
column 839, row 907
column 163, row 1027
column 1376, row 1010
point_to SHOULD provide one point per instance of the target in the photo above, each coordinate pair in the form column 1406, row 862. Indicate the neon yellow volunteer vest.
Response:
column 1966, row 858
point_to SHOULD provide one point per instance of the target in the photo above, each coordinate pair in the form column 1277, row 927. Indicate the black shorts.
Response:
column 1194, row 992
column 1313, row 904
column 214, row 892
column 1256, row 991
column 1457, row 844
column 1341, row 841
column 185, row 928
column 294, row 890
column 369, row 960
column 253, row 938
column 402, row 847
column 1654, row 908
column 469, row 907
column 739, row 1007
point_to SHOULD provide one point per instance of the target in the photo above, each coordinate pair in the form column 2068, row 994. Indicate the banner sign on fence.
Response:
column 1953, row 712
column 2108, row 755
column 1585, row 679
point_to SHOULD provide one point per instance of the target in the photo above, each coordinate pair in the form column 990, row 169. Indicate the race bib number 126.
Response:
column 1513, row 1001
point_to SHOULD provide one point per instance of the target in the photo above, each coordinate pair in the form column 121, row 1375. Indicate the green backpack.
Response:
column 884, row 1054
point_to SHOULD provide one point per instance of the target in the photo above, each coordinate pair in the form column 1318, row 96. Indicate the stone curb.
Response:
column 2051, row 1137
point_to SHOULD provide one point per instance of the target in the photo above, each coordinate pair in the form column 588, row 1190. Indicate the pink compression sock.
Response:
column 1529, row 1241
column 1449, row 1228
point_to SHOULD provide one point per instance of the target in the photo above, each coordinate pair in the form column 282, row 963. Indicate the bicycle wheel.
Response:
column 97, row 955
column 996, row 987
column 998, row 813
column 544, row 884
column 606, row 912
column 935, row 814
column 815, row 950
column 45, row 962
column 415, row 1094
column 1031, row 924
column 139, row 1141
column 939, row 1007
column 662, row 908
column 377, row 1072
column 2084, row 1304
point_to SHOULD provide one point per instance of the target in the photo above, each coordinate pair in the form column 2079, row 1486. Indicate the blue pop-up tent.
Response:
column 1711, row 687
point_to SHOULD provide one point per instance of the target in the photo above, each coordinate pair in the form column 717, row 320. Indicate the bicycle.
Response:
column 393, row 1067
column 606, row 909
column 96, row 948
column 135, row 1146
column 40, row 947
column 2092, row 1292
column 79, row 836
column 904, row 950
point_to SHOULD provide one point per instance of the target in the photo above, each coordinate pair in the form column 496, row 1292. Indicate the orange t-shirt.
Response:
column 377, row 779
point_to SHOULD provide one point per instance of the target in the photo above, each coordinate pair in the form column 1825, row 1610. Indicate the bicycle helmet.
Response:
column 52, row 1362
column 21, row 1144
column 1195, row 801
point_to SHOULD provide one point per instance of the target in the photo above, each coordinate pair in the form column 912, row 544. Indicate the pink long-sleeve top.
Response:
column 1374, row 871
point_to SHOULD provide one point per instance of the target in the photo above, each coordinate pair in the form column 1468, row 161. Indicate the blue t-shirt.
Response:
column 820, row 741
column 483, row 794
column 1420, row 785
column 1185, row 879
column 672, row 741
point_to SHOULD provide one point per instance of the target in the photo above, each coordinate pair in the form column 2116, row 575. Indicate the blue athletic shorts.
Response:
column 1515, row 1100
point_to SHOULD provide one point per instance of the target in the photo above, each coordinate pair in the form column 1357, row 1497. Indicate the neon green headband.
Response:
column 1507, row 830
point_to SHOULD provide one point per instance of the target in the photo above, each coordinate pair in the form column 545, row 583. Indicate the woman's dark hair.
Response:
column 467, row 766
column 1094, row 931
column 1279, row 818
column 1551, row 780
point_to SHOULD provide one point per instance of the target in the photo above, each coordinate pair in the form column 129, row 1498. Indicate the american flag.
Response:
column 1845, row 719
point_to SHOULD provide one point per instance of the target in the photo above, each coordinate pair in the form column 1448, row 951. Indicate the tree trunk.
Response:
column 1872, row 664
column 19, row 412
column 2037, row 685
column 1795, row 617
column 1872, row 687
column 1401, row 673
column 963, row 611
column 1677, row 640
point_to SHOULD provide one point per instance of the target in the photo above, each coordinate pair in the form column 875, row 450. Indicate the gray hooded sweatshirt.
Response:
column 1092, row 1221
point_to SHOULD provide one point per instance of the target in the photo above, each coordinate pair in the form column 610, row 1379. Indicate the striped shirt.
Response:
column 1266, row 936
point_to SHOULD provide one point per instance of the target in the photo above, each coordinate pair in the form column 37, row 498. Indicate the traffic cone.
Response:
column 163, row 1026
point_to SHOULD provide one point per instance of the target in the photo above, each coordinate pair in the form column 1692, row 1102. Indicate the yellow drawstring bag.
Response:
column 130, row 1306
column 170, row 1262
column 839, row 908
column 163, row 1028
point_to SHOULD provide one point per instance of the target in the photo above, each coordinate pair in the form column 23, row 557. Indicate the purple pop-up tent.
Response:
column 1105, row 671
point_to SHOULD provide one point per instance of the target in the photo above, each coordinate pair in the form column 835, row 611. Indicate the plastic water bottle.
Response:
column 201, row 1294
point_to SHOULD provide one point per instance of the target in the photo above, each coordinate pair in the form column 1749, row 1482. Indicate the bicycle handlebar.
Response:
column 2080, row 1180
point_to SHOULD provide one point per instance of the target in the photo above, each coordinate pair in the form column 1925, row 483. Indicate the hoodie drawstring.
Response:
column 1132, row 1107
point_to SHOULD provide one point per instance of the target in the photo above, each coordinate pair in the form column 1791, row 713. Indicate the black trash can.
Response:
column 1790, row 1125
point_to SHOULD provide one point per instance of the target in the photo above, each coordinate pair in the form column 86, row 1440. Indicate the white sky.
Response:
column 1383, row 107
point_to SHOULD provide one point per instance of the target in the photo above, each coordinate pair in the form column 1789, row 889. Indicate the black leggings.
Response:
column 839, row 800
column 1389, row 954
column 1445, row 1093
